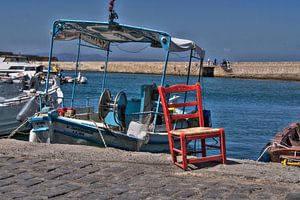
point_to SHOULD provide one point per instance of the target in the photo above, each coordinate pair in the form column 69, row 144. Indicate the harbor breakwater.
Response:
column 256, row 70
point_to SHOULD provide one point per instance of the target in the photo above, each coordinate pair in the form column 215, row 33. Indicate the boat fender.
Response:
column 28, row 109
column 32, row 137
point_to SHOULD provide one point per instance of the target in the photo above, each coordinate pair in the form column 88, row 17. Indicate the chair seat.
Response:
column 195, row 131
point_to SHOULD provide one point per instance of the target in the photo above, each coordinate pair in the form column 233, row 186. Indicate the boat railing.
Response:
column 80, row 102
column 15, row 100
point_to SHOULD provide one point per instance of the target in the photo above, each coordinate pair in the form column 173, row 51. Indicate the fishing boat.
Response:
column 285, row 144
column 129, row 124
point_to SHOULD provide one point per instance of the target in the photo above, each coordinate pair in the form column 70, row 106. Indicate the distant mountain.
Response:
column 83, row 57
column 68, row 57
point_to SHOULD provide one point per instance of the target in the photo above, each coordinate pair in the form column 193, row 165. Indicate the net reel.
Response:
column 117, row 106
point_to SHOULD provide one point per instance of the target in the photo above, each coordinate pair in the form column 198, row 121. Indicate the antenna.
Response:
column 112, row 14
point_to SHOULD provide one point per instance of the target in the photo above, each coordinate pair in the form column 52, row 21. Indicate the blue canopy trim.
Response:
column 101, row 33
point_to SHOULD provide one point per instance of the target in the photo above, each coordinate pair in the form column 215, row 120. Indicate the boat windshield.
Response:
column 16, row 59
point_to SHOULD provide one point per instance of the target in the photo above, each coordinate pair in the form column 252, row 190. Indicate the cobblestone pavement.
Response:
column 41, row 171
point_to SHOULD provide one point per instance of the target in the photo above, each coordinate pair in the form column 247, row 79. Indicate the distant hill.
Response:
column 69, row 57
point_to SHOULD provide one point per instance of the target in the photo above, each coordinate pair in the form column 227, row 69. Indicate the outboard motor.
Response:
column 34, row 82
column 25, row 82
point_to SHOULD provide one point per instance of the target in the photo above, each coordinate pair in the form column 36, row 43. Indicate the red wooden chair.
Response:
column 187, row 134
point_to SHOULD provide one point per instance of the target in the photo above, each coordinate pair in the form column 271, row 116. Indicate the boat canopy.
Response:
column 180, row 45
column 100, row 34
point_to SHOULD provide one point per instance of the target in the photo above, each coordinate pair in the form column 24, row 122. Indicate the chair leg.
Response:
column 223, row 146
column 183, row 149
column 203, row 147
column 171, row 145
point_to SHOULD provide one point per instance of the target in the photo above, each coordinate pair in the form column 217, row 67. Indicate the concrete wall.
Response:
column 177, row 68
column 259, row 70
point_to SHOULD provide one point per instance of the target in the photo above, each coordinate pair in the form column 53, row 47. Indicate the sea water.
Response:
column 251, row 111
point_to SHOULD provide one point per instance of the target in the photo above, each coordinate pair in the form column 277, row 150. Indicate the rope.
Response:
column 274, row 143
column 261, row 155
column 16, row 130
column 176, row 54
column 102, row 138
column 137, row 51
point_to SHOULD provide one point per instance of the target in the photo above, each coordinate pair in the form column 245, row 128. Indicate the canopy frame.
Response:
column 101, row 34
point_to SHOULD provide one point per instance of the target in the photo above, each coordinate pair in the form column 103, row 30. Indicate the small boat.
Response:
column 12, row 101
column 79, row 79
column 285, row 144
column 67, row 79
column 134, row 124
column 16, row 105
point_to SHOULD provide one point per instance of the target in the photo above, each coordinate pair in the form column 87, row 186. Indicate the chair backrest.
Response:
column 170, row 117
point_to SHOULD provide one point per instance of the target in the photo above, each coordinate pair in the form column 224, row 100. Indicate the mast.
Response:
column 112, row 13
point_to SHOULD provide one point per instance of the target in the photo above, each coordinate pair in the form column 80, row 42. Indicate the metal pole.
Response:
column 76, row 71
column 188, row 76
column 162, row 82
column 200, row 70
column 105, row 69
column 189, row 68
column 49, row 61
column 200, row 78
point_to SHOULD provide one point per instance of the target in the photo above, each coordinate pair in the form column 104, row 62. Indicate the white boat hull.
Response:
column 8, row 121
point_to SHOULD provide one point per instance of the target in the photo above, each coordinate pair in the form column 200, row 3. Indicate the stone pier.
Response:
column 55, row 171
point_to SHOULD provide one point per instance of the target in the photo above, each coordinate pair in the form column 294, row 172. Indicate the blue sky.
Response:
column 240, row 30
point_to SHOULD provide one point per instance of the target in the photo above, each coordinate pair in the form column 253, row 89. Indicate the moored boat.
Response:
column 15, row 67
column 285, row 144
column 118, row 121
column 17, row 104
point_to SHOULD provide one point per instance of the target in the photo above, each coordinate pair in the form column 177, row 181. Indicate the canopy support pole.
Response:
column 49, row 61
column 188, row 78
column 200, row 78
column 187, row 82
column 106, row 64
column 200, row 69
column 76, row 71
column 189, row 69
column 161, row 84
